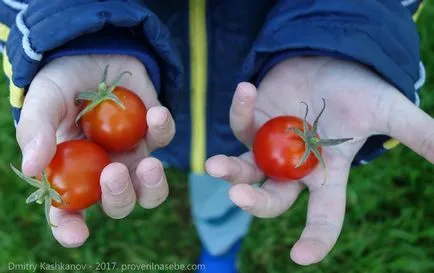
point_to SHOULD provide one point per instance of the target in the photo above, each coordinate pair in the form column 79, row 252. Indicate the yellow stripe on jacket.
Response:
column 418, row 12
column 4, row 32
column 16, row 93
column 198, row 78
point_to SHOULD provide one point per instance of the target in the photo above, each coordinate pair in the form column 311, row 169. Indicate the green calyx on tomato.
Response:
column 44, row 193
column 105, row 92
column 71, row 181
column 288, row 148
column 312, row 141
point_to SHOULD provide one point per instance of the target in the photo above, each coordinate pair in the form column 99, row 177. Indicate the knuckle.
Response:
column 120, row 206
column 321, row 222
column 148, row 164
column 236, row 173
column 266, row 206
column 162, row 136
column 154, row 199
column 274, row 205
column 120, row 210
column 159, row 142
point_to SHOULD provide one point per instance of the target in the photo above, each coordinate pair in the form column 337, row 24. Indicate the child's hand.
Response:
column 48, row 118
column 359, row 104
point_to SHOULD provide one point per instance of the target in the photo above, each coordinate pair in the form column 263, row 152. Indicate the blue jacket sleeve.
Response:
column 45, row 29
column 378, row 34
column 8, row 11
column 110, row 40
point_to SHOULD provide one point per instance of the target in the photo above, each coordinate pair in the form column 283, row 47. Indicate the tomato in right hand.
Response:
column 277, row 150
column 288, row 148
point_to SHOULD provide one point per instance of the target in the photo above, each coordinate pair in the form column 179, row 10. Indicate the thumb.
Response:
column 242, row 112
column 409, row 124
column 36, row 129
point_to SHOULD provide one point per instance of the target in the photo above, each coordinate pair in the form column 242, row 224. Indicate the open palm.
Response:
column 48, row 118
column 359, row 104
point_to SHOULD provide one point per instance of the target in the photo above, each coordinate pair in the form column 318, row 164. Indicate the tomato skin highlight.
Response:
column 113, row 128
column 277, row 150
column 74, row 172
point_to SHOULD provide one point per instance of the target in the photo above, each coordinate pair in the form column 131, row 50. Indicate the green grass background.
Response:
column 389, row 225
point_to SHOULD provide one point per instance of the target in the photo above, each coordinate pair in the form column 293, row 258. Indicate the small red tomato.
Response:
column 71, row 181
column 277, row 150
column 114, row 128
column 74, row 173
column 114, row 117
column 288, row 148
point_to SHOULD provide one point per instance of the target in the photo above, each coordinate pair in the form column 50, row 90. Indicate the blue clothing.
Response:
column 218, row 220
column 223, row 42
column 379, row 34
column 226, row 263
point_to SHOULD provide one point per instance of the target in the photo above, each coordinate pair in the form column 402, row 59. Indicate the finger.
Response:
column 36, row 130
column 118, row 196
column 325, row 217
column 151, row 184
column 241, row 112
column 233, row 169
column 271, row 200
column 71, row 230
column 161, row 127
column 410, row 125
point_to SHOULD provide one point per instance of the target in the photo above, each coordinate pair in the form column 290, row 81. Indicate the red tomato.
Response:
column 71, row 181
column 277, row 150
column 74, row 173
column 113, row 128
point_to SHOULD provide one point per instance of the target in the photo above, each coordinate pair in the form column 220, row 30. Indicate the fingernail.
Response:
column 73, row 233
column 152, row 178
column 117, row 186
column 29, row 154
column 244, row 94
column 242, row 97
column 218, row 172
column 165, row 122
column 216, row 169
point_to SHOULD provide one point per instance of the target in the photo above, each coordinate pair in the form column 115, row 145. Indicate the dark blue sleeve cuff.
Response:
column 114, row 41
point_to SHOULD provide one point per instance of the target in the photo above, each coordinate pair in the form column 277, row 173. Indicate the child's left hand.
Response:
column 359, row 104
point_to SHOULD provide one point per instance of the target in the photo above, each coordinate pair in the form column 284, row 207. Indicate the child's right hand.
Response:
column 47, row 118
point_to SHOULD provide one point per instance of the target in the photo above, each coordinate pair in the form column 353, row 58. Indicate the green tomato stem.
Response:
column 104, row 92
column 44, row 193
column 312, row 142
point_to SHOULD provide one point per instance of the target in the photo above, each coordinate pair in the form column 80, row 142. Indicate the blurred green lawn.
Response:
column 389, row 225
